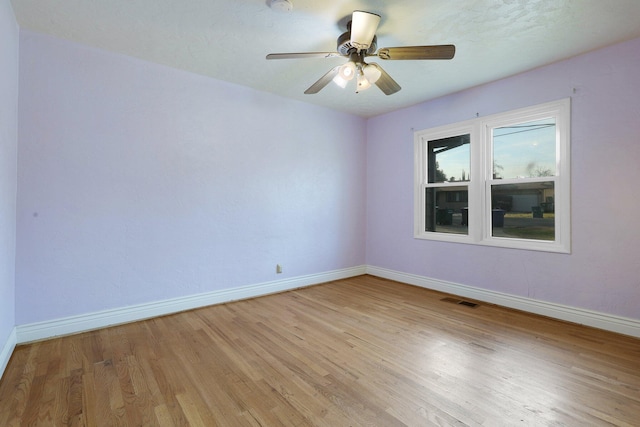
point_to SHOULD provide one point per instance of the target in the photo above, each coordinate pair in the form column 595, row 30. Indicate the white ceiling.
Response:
column 229, row 39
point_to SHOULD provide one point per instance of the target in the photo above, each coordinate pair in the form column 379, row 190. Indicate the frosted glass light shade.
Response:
column 347, row 71
column 372, row 73
column 363, row 83
column 340, row 81
column 363, row 28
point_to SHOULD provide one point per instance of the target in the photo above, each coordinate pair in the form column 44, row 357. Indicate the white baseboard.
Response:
column 90, row 321
column 101, row 319
column 621, row 325
column 7, row 350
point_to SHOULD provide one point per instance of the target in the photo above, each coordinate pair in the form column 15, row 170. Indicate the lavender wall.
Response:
column 8, row 162
column 603, row 272
column 140, row 183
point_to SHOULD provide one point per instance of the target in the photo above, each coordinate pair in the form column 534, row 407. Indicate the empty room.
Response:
column 298, row 213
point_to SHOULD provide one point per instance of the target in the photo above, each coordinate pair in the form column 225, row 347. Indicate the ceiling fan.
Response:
column 358, row 43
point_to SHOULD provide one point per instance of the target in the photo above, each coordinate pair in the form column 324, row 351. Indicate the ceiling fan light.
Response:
column 347, row 71
column 372, row 73
column 340, row 81
column 363, row 28
column 362, row 82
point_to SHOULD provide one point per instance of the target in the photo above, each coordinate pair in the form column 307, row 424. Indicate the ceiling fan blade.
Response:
column 323, row 81
column 363, row 28
column 444, row 51
column 303, row 55
column 385, row 82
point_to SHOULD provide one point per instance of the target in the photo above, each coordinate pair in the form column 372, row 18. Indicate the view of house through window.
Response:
column 526, row 153
column 518, row 211
column 447, row 195
column 502, row 180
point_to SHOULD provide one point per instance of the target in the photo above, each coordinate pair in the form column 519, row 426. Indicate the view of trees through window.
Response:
column 451, row 159
column 524, row 152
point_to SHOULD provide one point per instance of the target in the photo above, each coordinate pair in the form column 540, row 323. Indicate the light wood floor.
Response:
column 362, row 351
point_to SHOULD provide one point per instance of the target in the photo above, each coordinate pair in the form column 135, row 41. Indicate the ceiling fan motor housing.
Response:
column 344, row 46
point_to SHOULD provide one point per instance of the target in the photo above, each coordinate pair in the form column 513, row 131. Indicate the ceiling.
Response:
column 229, row 39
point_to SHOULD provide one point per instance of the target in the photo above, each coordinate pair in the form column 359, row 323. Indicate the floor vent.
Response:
column 460, row 302
column 468, row 304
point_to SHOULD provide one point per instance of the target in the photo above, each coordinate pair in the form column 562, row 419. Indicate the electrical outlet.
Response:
column 278, row 268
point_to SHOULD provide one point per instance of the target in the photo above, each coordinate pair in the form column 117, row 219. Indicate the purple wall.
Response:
column 138, row 183
column 8, row 163
column 603, row 272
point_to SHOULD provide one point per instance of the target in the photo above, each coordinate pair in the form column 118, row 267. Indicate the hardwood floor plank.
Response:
column 89, row 399
column 74, row 402
column 163, row 416
column 363, row 351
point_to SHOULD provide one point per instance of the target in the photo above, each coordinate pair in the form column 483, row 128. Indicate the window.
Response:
column 501, row 180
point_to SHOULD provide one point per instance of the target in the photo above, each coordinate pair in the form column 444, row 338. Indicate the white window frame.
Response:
column 481, row 178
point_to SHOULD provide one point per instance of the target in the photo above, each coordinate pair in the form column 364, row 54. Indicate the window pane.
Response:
column 523, row 211
column 448, row 159
column 447, row 209
column 525, row 150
